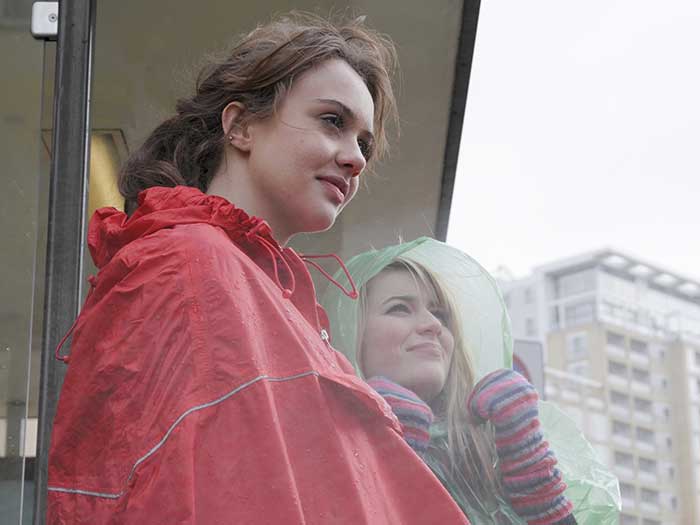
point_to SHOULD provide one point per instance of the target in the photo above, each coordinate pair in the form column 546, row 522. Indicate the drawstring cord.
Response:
column 65, row 358
column 257, row 234
column 254, row 234
column 352, row 294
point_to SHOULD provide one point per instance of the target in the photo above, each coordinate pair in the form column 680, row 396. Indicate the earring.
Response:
column 230, row 137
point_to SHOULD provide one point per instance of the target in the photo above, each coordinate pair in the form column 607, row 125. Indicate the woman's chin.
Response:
column 321, row 222
column 428, row 386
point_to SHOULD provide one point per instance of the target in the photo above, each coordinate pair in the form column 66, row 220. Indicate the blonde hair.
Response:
column 470, row 453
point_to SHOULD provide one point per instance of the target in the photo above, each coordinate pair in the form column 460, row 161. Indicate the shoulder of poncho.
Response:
column 173, row 248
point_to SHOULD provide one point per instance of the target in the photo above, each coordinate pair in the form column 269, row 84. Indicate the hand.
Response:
column 412, row 412
column 502, row 397
column 532, row 483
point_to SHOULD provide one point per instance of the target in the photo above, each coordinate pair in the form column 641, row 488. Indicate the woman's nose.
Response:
column 429, row 323
column 351, row 158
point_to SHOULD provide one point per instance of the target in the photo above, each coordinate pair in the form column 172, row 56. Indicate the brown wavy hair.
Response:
column 187, row 148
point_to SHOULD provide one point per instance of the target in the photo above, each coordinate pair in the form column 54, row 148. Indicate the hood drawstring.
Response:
column 352, row 294
column 256, row 233
column 65, row 358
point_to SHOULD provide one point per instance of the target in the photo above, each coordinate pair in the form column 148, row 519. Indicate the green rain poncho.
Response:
column 592, row 488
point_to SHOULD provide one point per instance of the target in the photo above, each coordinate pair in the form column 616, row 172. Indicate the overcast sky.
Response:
column 582, row 131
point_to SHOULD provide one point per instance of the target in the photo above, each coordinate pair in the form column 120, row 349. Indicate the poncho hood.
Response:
column 483, row 314
column 486, row 328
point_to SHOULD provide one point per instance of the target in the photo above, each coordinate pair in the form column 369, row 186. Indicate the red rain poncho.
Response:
column 197, row 393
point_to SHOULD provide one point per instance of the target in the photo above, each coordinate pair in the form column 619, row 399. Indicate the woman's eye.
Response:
column 365, row 148
column 441, row 315
column 398, row 308
column 333, row 119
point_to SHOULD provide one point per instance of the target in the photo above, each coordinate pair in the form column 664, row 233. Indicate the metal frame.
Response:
column 68, row 194
column 460, row 87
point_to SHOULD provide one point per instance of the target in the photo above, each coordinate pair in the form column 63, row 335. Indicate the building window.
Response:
column 577, row 347
column 575, row 283
column 645, row 435
column 667, row 414
column 626, row 519
column 671, row 473
column 554, row 317
column 641, row 375
column 642, row 405
column 649, row 521
column 650, row 496
column 697, row 359
column 579, row 313
column 669, row 443
column 640, row 347
column 528, row 296
column 530, row 327
column 647, row 465
column 674, row 503
column 619, row 399
column 621, row 429
column 623, row 459
column 628, row 491
column 615, row 339
column 581, row 368
column 617, row 369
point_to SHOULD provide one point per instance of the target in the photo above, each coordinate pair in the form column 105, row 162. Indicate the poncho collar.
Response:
column 160, row 207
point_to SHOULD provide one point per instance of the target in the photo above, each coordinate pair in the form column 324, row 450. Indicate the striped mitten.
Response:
column 412, row 412
column 533, row 484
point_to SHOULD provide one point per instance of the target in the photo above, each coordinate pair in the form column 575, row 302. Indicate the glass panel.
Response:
column 578, row 173
column 138, row 81
column 25, row 108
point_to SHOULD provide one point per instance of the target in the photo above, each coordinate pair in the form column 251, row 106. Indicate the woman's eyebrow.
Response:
column 346, row 112
column 406, row 298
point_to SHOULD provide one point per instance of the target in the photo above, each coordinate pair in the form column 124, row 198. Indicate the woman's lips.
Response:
column 428, row 349
column 333, row 191
column 336, row 186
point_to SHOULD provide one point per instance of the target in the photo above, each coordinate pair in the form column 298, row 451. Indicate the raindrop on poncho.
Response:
column 592, row 488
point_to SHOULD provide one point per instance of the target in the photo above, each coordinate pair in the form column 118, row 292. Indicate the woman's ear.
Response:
column 235, row 126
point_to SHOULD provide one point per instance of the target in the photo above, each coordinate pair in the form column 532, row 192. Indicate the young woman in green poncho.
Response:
column 431, row 334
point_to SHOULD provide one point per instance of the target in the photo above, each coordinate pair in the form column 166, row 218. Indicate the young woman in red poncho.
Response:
column 201, row 387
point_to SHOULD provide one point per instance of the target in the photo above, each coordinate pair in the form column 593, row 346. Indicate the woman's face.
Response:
column 406, row 338
column 305, row 160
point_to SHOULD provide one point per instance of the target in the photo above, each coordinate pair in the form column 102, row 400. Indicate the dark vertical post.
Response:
column 68, row 190
column 463, row 68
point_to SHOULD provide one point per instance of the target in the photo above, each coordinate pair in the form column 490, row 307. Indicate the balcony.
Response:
column 628, row 503
column 643, row 417
column 648, row 477
column 619, row 381
column 595, row 403
column 640, row 359
column 620, row 410
column 623, row 441
column 616, row 351
column 625, row 474
column 645, row 447
column 640, row 388
column 649, row 508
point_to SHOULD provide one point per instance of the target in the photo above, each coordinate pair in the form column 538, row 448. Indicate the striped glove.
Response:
column 412, row 412
column 534, row 486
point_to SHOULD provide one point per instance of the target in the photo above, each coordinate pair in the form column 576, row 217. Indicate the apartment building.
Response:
column 621, row 342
